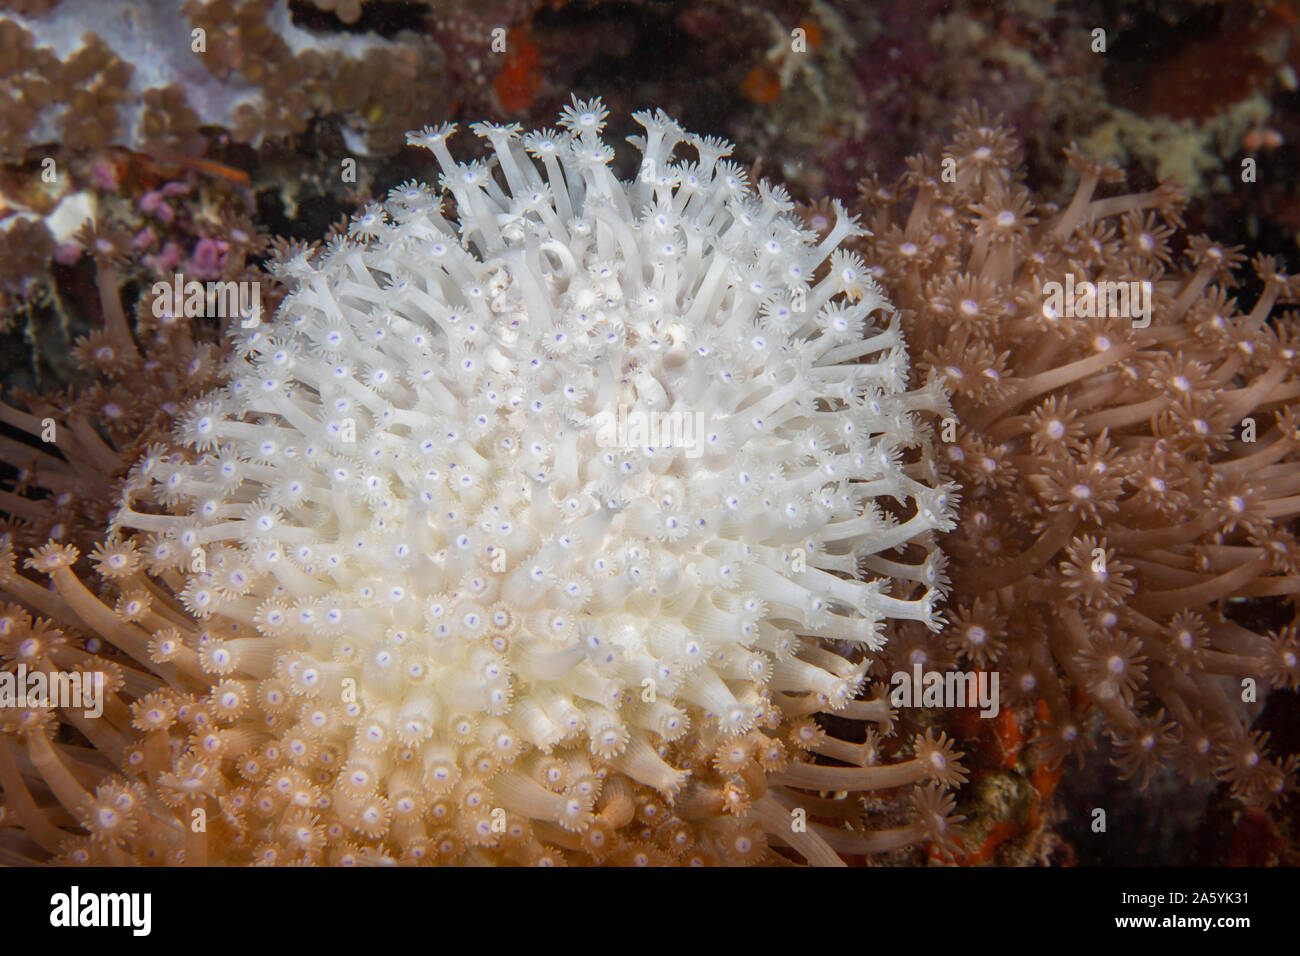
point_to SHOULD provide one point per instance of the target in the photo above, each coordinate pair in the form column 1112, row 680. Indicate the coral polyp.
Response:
column 531, row 531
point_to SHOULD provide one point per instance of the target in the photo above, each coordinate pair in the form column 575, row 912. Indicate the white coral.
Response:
column 429, row 473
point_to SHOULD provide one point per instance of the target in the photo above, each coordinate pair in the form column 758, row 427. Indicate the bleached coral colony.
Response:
column 589, row 487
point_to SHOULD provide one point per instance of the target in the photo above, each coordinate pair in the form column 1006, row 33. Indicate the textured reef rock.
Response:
column 149, row 76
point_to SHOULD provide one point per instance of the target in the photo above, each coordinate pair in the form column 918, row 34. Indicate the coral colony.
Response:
column 1128, row 475
column 400, row 589
column 565, row 511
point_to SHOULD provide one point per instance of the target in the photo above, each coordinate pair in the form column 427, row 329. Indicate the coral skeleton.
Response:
column 534, row 527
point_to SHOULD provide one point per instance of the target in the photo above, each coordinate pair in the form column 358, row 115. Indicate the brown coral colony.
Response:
column 1131, row 474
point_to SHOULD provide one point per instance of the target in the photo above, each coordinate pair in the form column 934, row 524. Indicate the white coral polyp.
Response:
column 435, row 477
